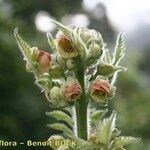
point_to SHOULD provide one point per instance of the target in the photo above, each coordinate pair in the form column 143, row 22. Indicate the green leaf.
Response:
column 87, row 146
column 26, row 52
column 119, row 50
column 106, row 129
column 61, row 116
column 96, row 116
column 24, row 47
column 124, row 140
column 61, row 127
column 120, row 68
column 51, row 42
column 107, row 56
column 67, row 132
column 68, row 110
column 76, row 139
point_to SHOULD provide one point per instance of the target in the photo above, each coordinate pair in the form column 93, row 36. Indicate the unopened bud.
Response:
column 89, row 36
column 71, row 64
column 105, row 69
column 86, row 35
column 95, row 50
column 55, row 97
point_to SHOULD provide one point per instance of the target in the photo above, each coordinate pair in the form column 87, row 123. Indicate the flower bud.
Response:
column 95, row 50
column 101, row 90
column 65, row 48
column 86, row 35
column 89, row 36
column 71, row 64
column 105, row 69
column 71, row 90
column 42, row 58
column 55, row 141
column 108, row 69
column 55, row 92
column 55, row 97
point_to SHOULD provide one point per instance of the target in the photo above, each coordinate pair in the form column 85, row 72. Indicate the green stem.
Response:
column 81, row 105
column 81, row 114
column 105, row 148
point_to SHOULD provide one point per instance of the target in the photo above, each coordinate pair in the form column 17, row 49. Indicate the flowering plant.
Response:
column 78, row 73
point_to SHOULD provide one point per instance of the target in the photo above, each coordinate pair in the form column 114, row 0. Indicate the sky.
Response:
column 126, row 15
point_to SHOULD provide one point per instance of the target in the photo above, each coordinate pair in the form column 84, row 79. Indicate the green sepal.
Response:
column 44, row 82
column 56, row 72
column 62, row 28
column 51, row 42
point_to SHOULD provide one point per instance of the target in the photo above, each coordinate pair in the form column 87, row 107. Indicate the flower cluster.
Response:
column 71, row 46
column 67, row 92
column 78, row 71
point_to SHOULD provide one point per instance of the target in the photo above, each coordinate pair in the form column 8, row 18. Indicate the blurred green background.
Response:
column 22, row 106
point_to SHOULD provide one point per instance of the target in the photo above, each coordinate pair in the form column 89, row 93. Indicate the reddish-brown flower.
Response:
column 44, row 60
column 65, row 47
column 72, row 90
column 100, row 90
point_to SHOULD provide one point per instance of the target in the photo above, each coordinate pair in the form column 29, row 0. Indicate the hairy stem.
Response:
column 105, row 148
column 81, row 104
